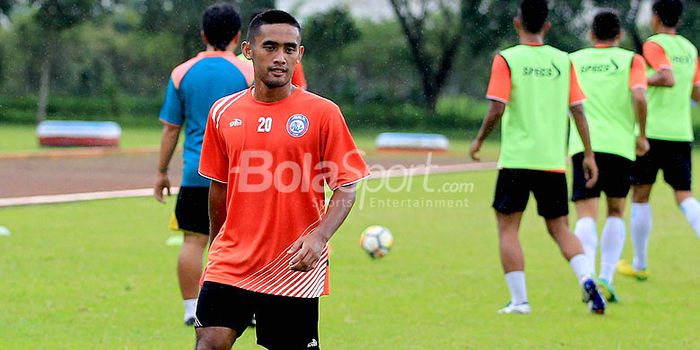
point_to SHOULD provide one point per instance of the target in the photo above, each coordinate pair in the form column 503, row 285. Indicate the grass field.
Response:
column 22, row 138
column 98, row 275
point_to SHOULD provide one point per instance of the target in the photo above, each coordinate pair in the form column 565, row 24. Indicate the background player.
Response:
column 614, row 81
column 675, row 78
column 532, row 86
column 269, row 150
column 193, row 87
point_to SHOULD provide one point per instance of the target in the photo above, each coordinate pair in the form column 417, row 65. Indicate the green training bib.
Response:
column 604, row 75
column 669, row 116
column 534, row 126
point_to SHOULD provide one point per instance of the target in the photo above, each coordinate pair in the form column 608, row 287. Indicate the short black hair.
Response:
column 270, row 17
column 220, row 23
column 669, row 11
column 533, row 14
column 606, row 24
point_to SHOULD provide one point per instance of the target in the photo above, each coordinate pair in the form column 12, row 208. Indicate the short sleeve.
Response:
column 172, row 111
column 342, row 162
column 298, row 78
column 638, row 76
column 656, row 56
column 213, row 163
column 576, row 95
column 500, row 83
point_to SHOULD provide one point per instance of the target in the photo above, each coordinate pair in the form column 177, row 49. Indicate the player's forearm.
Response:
column 663, row 78
column 582, row 127
column 171, row 134
column 339, row 207
column 217, row 208
column 696, row 94
column 640, row 110
column 493, row 116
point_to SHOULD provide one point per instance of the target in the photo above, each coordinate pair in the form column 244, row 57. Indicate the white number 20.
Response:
column 265, row 124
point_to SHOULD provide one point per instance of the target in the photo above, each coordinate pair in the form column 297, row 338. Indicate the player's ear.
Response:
column 546, row 27
column 204, row 37
column 247, row 50
column 591, row 35
column 517, row 23
column 301, row 54
column 620, row 36
column 236, row 39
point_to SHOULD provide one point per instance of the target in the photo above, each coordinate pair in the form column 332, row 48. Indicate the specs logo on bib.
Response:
column 594, row 68
column 297, row 125
column 552, row 72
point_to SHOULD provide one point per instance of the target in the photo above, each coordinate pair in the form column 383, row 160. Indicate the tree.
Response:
column 54, row 17
column 415, row 18
column 184, row 18
column 325, row 36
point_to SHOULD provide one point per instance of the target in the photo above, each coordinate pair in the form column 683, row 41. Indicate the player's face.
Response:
column 275, row 51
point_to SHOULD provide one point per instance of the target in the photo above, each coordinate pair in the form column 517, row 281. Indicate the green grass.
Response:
column 98, row 275
column 22, row 138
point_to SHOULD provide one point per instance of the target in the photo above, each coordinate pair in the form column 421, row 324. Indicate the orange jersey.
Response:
column 275, row 158
column 656, row 58
column 638, row 73
column 500, row 83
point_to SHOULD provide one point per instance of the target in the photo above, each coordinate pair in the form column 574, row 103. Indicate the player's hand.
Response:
column 642, row 146
column 474, row 150
column 307, row 251
column 590, row 170
column 162, row 183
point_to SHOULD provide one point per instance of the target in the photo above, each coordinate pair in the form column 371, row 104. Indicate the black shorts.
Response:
column 192, row 209
column 513, row 189
column 281, row 322
column 673, row 157
column 614, row 173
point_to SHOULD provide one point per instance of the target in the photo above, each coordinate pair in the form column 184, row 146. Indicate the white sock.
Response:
column 611, row 244
column 585, row 230
column 640, row 229
column 691, row 209
column 516, row 284
column 581, row 267
column 190, row 308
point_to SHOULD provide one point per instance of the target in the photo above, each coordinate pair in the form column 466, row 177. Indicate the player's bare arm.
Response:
column 171, row 134
column 493, row 116
column 308, row 249
column 217, row 208
column 639, row 101
column 696, row 93
column 589, row 164
column 663, row 78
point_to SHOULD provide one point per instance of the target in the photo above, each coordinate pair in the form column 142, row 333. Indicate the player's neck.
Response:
column 666, row 30
column 529, row 38
column 263, row 93
column 605, row 43
column 229, row 48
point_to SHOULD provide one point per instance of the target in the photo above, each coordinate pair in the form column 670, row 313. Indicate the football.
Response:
column 376, row 241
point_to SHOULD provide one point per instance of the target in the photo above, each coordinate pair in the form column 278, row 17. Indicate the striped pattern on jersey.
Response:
column 276, row 278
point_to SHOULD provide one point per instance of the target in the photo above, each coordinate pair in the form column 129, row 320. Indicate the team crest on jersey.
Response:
column 297, row 125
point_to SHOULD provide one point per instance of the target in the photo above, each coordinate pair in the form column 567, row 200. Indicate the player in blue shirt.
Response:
column 193, row 87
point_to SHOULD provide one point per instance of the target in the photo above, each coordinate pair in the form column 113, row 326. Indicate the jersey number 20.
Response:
column 265, row 124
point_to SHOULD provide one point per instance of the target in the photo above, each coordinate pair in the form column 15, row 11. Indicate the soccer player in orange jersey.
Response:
column 269, row 150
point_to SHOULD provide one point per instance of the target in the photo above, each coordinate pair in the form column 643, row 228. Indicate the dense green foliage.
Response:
column 114, row 61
